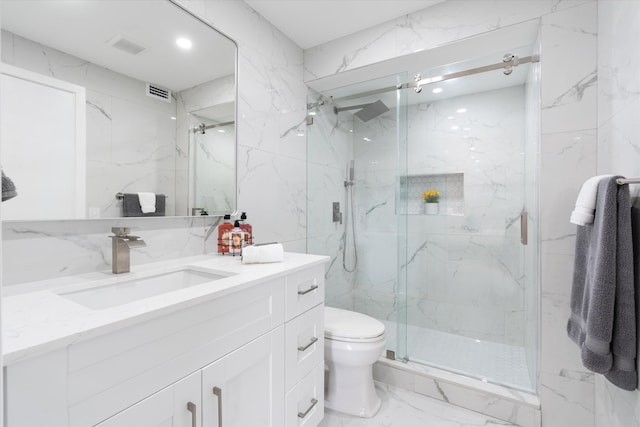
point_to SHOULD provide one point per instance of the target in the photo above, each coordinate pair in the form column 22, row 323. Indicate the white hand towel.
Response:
column 263, row 253
column 583, row 213
column 147, row 202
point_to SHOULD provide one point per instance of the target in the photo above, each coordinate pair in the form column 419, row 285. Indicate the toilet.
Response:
column 352, row 344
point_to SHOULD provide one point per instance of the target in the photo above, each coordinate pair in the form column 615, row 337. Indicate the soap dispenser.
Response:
column 246, row 227
column 236, row 239
column 224, row 231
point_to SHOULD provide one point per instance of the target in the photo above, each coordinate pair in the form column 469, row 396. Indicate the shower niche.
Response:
column 449, row 185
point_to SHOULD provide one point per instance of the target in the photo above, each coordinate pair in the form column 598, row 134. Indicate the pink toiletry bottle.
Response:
column 224, row 230
column 246, row 227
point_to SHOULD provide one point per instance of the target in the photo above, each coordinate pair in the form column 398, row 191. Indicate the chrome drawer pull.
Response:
column 191, row 407
column 311, row 341
column 312, row 288
column 218, row 392
column 314, row 402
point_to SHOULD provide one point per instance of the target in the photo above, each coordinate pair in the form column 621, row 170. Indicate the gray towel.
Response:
column 8, row 188
column 131, row 205
column 603, row 318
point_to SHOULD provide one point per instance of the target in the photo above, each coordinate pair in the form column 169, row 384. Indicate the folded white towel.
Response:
column 583, row 213
column 263, row 253
column 147, row 202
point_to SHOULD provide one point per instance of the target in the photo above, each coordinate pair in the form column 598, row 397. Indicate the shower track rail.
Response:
column 508, row 63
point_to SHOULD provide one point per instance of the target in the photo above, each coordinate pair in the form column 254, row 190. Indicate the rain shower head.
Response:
column 367, row 111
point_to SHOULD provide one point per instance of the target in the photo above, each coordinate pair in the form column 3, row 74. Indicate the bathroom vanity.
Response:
column 201, row 341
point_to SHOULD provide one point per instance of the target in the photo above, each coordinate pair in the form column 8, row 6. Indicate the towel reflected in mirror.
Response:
column 8, row 188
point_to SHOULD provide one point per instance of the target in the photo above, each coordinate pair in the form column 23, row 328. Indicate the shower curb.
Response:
column 514, row 406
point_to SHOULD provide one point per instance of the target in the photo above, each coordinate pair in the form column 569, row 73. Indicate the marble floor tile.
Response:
column 401, row 408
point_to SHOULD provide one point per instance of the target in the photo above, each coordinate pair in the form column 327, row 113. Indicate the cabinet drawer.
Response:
column 305, row 289
column 304, row 344
column 305, row 402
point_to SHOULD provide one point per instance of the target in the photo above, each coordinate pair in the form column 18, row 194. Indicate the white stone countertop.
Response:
column 36, row 319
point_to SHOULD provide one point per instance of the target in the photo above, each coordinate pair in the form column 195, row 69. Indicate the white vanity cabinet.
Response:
column 246, row 388
column 251, row 357
column 175, row 406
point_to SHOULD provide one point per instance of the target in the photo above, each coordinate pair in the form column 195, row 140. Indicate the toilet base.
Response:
column 351, row 391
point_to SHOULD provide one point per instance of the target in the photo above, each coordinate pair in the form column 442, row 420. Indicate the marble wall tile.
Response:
column 615, row 407
column 618, row 152
column 559, row 189
column 569, row 98
column 568, row 138
column 45, row 250
column 435, row 26
column 279, row 209
column 618, row 81
column 566, row 401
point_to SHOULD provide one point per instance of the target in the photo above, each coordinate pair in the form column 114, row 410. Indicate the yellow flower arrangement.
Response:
column 431, row 196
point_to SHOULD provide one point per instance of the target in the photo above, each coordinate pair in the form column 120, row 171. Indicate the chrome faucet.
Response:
column 120, row 253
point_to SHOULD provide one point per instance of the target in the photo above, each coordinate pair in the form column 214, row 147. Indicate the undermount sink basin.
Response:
column 125, row 291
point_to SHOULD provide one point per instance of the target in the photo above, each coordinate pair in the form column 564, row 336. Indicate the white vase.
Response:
column 432, row 208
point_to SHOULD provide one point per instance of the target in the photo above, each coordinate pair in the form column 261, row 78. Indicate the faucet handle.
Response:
column 120, row 231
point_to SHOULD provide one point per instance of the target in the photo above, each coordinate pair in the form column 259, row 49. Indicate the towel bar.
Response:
column 622, row 181
column 120, row 196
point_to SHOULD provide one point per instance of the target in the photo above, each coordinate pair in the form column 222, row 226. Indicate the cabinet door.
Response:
column 246, row 387
column 175, row 406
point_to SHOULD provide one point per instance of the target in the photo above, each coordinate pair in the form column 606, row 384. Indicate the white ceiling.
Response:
column 312, row 22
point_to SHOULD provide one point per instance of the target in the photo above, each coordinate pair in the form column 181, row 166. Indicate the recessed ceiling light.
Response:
column 221, row 130
column 184, row 43
column 461, row 110
column 437, row 90
column 450, row 117
column 172, row 118
column 367, row 139
column 455, row 127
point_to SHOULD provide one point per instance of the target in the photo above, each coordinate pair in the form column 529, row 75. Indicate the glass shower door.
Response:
column 466, row 279
column 353, row 171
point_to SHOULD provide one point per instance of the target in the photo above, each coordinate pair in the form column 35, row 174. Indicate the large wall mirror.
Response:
column 115, row 108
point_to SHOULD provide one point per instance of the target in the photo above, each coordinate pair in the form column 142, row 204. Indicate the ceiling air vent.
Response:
column 158, row 92
column 125, row 44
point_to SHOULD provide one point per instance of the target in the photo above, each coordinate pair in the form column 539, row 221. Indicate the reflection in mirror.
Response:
column 111, row 106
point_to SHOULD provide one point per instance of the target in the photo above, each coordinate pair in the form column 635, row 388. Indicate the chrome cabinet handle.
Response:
column 218, row 392
column 314, row 402
column 191, row 407
column 312, row 288
column 311, row 341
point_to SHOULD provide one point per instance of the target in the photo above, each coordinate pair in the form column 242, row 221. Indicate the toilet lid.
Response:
column 340, row 323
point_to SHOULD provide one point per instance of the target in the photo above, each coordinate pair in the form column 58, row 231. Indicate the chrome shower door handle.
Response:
column 524, row 231
column 218, row 392
column 191, row 407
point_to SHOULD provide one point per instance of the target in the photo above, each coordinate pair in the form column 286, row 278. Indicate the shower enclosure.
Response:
column 456, row 289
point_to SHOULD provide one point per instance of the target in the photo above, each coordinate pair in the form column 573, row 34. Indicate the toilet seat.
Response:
column 349, row 326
